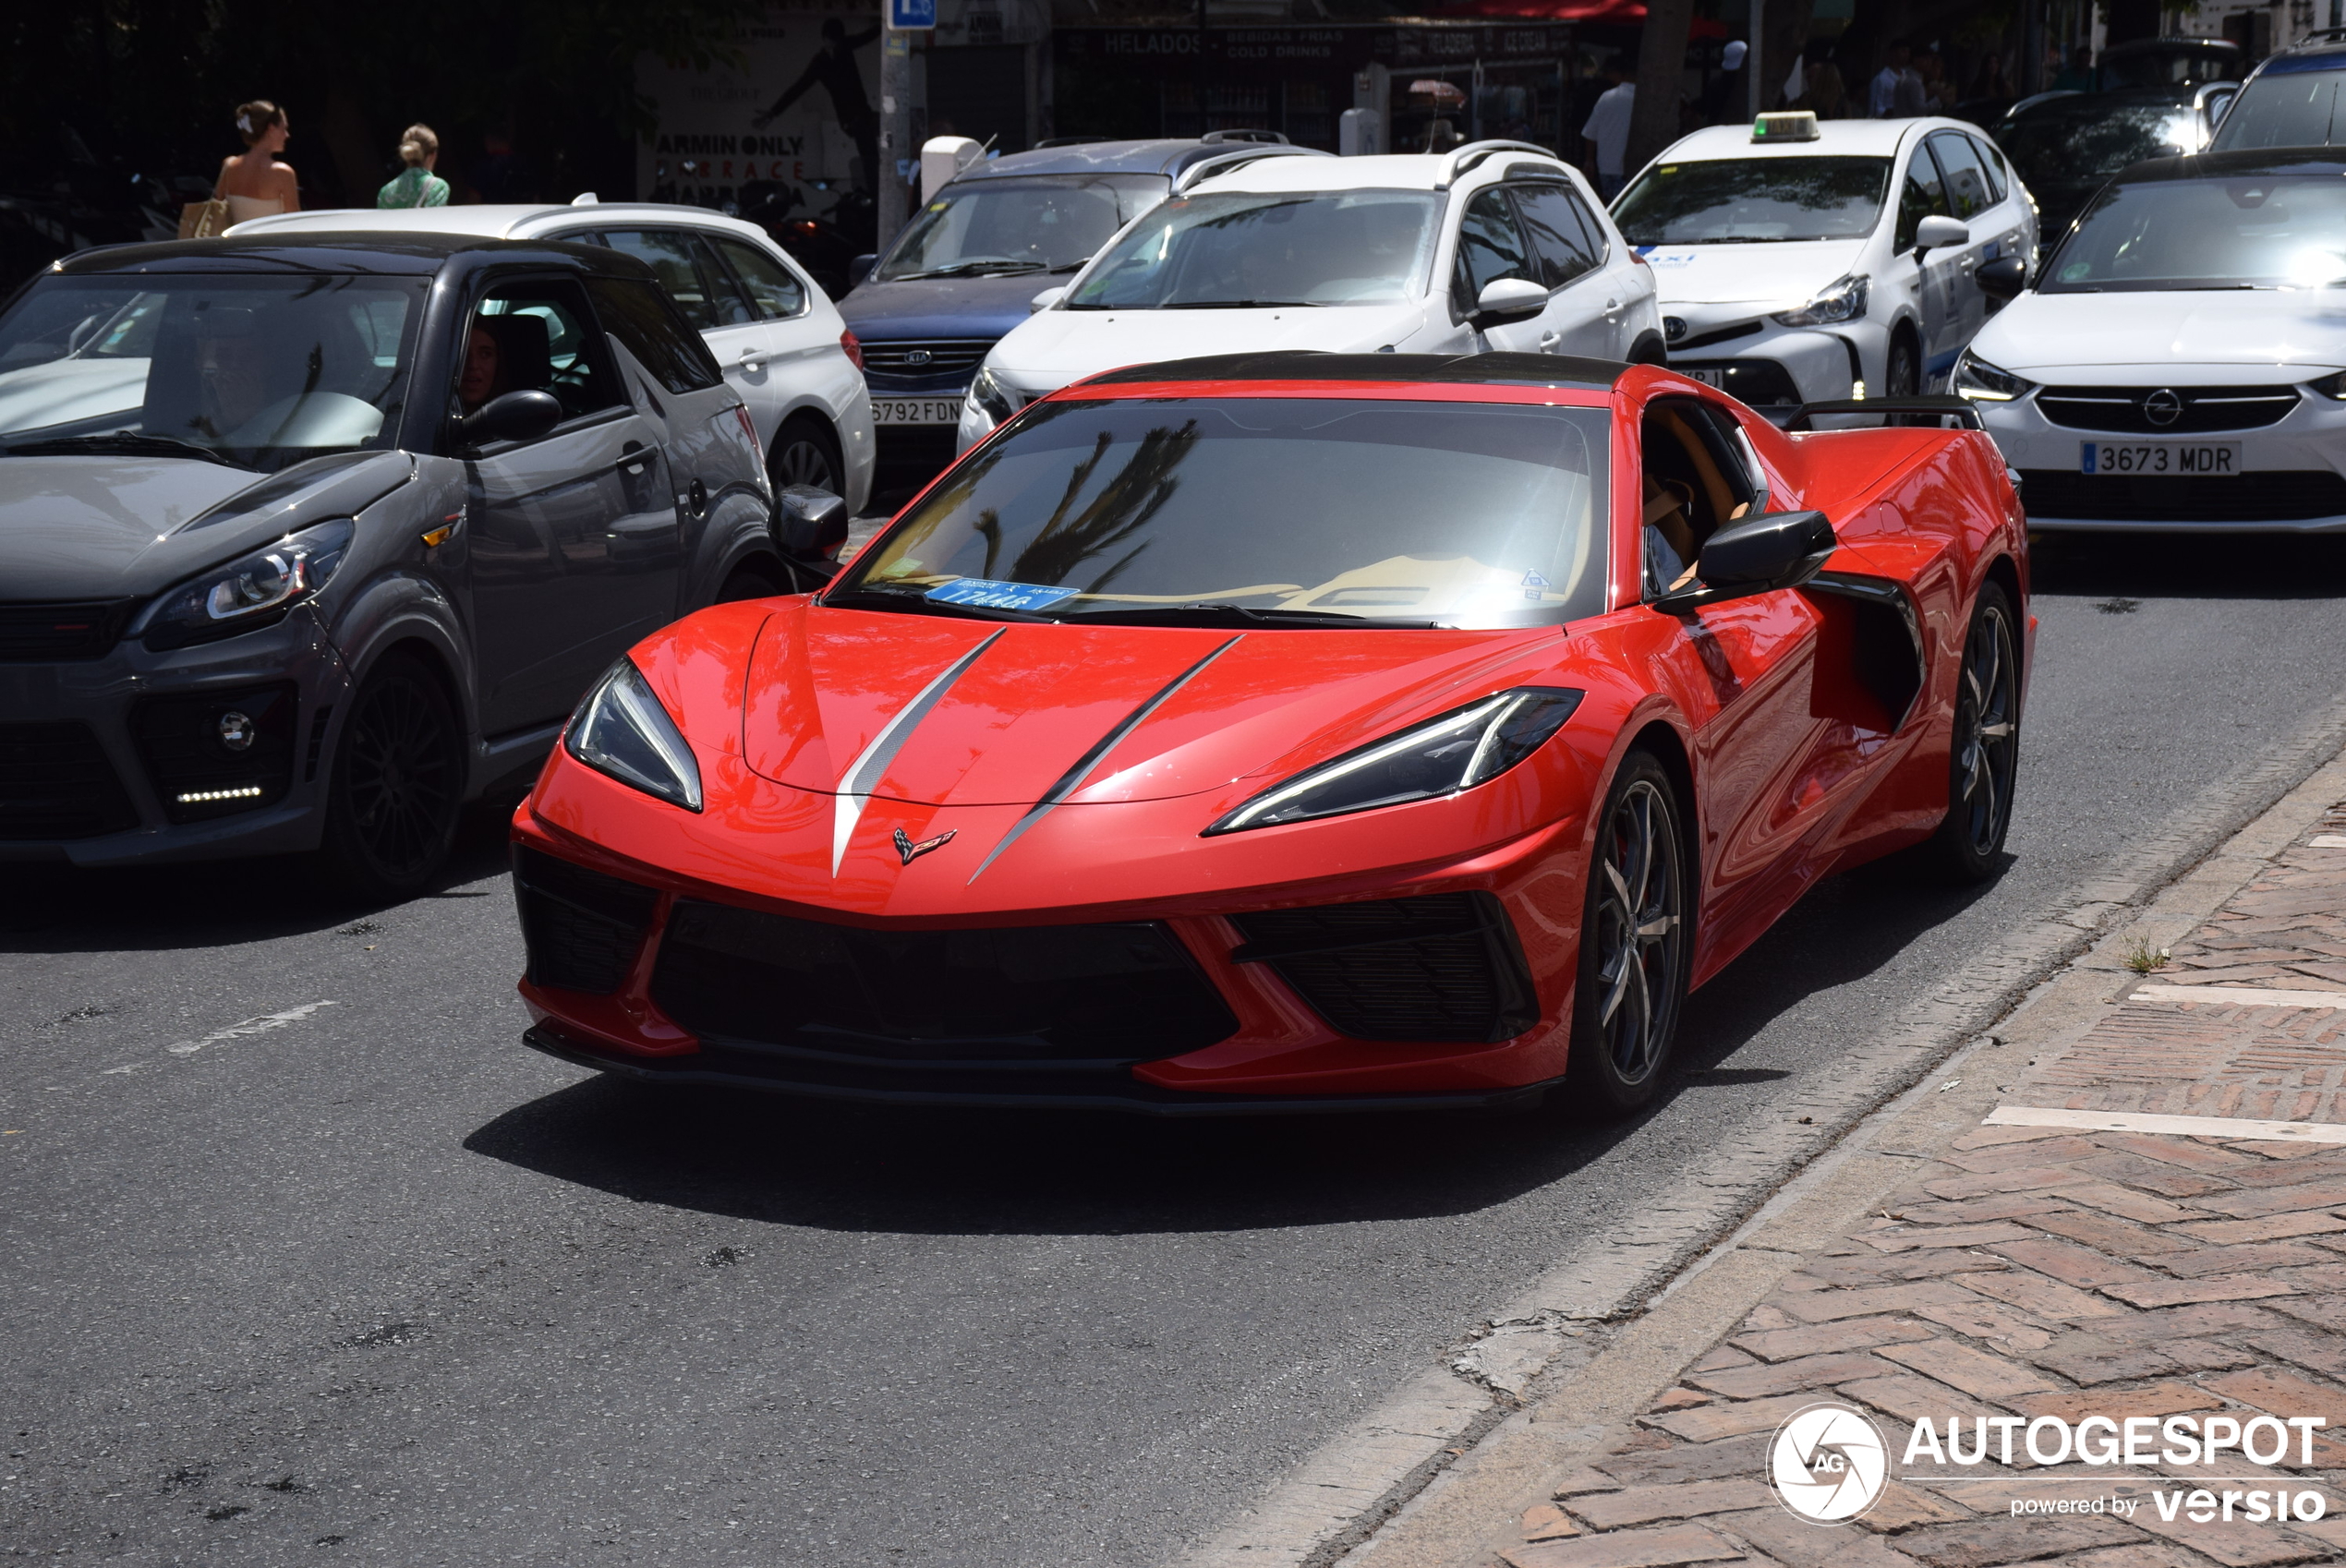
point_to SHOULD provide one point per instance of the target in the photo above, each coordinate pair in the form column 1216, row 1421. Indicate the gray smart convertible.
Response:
column 306, row 542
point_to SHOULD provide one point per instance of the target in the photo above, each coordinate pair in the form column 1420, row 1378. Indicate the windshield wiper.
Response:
column 1239, row 303
column 1241, row 615
column 919, row 604
column 972, row 268
column 1072, row 267
column 126, row 443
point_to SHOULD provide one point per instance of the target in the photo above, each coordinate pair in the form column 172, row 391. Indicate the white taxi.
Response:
column 1801, row 262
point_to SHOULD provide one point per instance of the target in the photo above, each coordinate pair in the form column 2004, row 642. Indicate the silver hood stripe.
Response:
column 1073, row 779
column 864, row 774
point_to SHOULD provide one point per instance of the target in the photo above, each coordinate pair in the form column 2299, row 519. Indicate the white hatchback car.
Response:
column 2182, row 362
column 778, row 338
column 1497, row 244
column 1802, row 262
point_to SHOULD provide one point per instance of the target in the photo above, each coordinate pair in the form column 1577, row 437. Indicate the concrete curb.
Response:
column 1419, row 1481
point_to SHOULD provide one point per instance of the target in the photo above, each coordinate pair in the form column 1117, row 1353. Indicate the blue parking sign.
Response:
column 905, row 15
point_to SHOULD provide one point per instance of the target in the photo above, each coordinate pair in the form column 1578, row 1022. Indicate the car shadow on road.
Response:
column 2152, row 565
column 216, row 903
column 949, row 1172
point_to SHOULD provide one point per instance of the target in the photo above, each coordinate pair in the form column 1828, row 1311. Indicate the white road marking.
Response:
column 261, row 1025
column 2192, row 1126
column 2239, row 996
column 2329, row 841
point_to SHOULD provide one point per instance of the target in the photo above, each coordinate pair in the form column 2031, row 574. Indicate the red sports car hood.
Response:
column 965, row 713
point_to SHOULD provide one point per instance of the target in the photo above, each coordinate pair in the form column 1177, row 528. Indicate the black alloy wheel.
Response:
column 806, row 453
column 1984, row 747
column 1902, row 376
column 1635, row 944
column 396, row 786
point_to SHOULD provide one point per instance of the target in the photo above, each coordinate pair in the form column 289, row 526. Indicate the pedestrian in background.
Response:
column 254, row 183
column 1607, row 130
column 416, row 186
column 1881, row 96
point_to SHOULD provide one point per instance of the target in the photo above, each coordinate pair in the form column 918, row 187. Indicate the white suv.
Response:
column 1498, row 245
column 779, row 339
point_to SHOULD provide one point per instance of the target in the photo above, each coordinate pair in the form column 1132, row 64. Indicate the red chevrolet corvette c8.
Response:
column 1286, row 731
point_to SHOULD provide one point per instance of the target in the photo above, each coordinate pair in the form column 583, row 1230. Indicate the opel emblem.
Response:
column 916, row 357
column 2162, row 407
column 1674, row 327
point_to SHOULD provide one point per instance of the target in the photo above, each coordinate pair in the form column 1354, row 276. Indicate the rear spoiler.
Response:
column 1925, row 411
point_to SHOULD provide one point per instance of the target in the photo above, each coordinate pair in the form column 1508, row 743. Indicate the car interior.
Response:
column 1694, row 484
column 545, row 344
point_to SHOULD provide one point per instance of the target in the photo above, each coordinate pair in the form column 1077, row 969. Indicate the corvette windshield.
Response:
column 257, row 372
column 2272, row 231
column 1281, row 510
column 1236, row 249
column 1751, row 200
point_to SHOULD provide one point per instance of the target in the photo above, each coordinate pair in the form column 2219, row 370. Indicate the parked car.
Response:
column 962, row 273
column 2181, row 362
column 1497, row 245
column 1801, row 260
column 2066, row 145
column 1210, row 740
column 2169, row 62
column 780, row 341
column 305, row 540
column 2289, row 100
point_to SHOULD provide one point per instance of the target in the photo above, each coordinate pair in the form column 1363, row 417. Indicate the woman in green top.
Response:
column 416, row 184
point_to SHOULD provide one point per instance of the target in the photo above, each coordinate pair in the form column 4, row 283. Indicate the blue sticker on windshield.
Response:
column 1534, row 586
column 989, row 594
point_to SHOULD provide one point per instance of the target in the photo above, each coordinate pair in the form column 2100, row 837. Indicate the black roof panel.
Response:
column 2236, row 165
column 1455, row 370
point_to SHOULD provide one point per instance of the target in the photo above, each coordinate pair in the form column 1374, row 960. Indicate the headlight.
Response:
column 1844, row 300
column 1442, row 757
column 1975, row 377
column 2331, row 386
column 250, row 593
column 621, row 729
column 989, row 401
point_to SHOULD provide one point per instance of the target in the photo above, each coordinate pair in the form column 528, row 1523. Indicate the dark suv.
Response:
column 307, row 540
column 965, row 269
column 2290, row 101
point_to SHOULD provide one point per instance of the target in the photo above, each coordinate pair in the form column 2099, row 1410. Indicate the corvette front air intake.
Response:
column 1442, row 967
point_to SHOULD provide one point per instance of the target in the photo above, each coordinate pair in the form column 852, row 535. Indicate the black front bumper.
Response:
column 1055, row 1087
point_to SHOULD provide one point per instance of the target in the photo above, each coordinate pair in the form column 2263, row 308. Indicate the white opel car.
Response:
column 778, row 337
column 1497, row 244
column 2182, row 362
column 1801, row 262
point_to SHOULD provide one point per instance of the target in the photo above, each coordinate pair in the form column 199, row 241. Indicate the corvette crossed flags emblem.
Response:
column 908, row 851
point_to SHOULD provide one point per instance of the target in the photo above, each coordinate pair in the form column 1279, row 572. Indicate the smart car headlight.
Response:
column 989, row 401
column 1457, row 751
column 622, row 730
column 1843, row 299
column 1976, row 379
column 250, row 592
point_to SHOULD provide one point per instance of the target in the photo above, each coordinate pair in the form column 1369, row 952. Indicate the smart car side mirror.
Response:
column 1935, row 233
column 1508, row 300
column 2003, row 278
column 860, row 269
column 1044, row 300
column 513, row 417
column 812, row 523
column 1756, row 555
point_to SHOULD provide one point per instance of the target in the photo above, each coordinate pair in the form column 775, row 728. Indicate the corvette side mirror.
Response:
column 1936, row 233
column 811, row 523
column 514, row 417
column 1507, row 299
column 2003, row 278
column 1756, row 555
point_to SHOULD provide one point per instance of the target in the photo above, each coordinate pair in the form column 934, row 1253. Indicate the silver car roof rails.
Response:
column 1223, row 162
column 1266, row 137
column 1459, row 160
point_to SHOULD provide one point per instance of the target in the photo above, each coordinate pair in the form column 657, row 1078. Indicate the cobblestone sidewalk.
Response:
column 2064, row 1270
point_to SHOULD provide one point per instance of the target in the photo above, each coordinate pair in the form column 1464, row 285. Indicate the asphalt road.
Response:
column 378, row 1282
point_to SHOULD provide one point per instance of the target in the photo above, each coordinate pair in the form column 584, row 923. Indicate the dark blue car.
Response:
column 963, row 271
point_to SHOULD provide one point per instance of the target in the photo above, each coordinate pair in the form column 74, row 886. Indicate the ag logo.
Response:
column 1827, row 1464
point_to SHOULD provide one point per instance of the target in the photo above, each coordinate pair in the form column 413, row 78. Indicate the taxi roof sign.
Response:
column 1789, row 125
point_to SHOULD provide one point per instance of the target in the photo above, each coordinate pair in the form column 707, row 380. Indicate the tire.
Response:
column 806, row 453
column 750, row 580
column 1983, row 752
column 1901, row 376
column 396, row 786
column 1636, row 945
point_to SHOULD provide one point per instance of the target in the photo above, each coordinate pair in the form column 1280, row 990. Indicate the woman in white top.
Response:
column 253, row 182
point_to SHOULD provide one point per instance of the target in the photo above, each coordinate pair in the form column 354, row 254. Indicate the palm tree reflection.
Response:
column 1132, row 495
